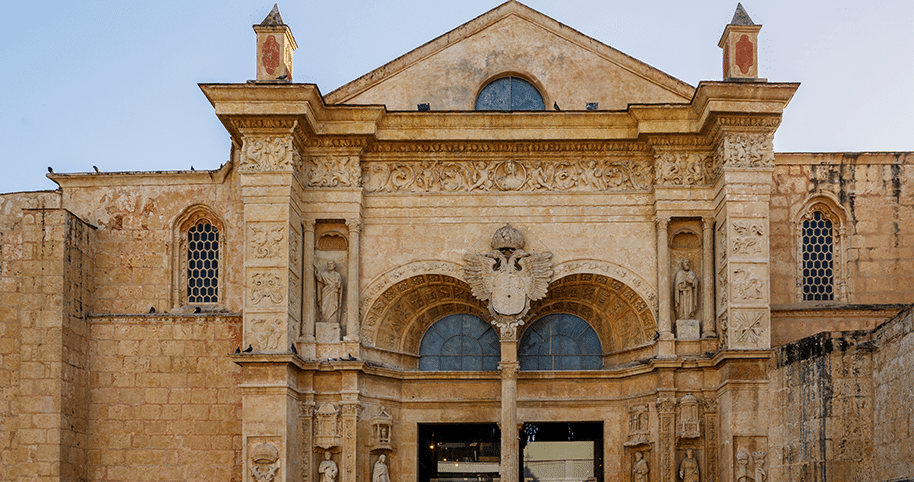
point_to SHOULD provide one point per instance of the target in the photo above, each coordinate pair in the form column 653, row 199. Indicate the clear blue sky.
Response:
column 114, row 83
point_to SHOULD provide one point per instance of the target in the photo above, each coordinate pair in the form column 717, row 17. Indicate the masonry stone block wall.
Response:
column 893, row 386
column 871, row 192
column 163, row 400
column 841, row 405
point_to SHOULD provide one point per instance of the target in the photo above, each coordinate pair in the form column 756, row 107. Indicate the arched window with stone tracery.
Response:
column 821, row 241
column 560, row 341
column 197, row 258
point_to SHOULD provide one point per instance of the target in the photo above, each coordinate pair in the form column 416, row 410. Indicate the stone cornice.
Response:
column 141, row 178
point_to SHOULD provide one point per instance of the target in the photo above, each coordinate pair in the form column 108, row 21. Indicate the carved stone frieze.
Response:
column 683, row 169
column 272, row 123
column 748, row 327
column 266, row 240
column 332, row 171
column 509, row 175
column 747, row 285
column 265, row 286
column 745, row 150
column 507, row 147
column 264, row 462
column 748, row 238
column 267, row 333
column 268, row 154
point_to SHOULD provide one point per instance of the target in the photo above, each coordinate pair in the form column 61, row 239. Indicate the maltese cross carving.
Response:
column 508, row 278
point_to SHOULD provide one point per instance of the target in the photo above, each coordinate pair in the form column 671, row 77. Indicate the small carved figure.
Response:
column 742, row 466
column 639, row 468
column 381, row 473
column 328, row 468
column 686, row 285
column 329, row 293
column 688, row 469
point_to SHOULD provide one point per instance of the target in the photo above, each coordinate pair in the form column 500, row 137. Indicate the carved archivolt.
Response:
column 396, row 275
column 621, row 318
column 579, row 266
column 399, row 317
column 509, row 175
column 268, row 154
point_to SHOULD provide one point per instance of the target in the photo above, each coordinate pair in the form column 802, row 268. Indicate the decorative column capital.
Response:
column 354, row 225
column 308, row 225
column 509, row 370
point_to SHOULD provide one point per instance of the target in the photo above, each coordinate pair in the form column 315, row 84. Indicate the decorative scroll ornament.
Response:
column 264, row 458
column 333, row 171
column 265, row 240
column 511, row 175
column 509, row 278
column 683, row 169
column 267, row 154
column 266, row 286
column 746, row 150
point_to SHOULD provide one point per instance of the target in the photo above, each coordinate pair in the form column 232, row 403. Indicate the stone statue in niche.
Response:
column 688, row 469
column 329, row 292
column 328, row 468
column 686, row 288
column 263, row 462
column 639, row 468
column 742, row 466
column 380, row 472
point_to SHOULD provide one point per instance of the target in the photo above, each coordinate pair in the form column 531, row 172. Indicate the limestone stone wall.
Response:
column 11, row 267
column 136, row 214
column 842, row 405
column 822, row 409
column 893, row 382
column 871, row 192
column 163, row 399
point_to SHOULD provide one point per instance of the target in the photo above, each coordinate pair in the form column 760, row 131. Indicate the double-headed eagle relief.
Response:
column 508, row 278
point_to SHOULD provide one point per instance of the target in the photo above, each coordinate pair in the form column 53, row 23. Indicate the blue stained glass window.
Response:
column 560, row 342
column 459, row 342
column 510, row 93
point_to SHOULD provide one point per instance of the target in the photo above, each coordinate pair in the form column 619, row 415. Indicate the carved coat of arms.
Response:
column 508, row 277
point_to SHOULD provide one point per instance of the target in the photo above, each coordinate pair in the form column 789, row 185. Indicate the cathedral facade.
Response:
column 514, row 253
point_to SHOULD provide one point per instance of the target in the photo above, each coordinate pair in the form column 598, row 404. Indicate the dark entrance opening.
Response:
column 561, row 452
column 459, row 452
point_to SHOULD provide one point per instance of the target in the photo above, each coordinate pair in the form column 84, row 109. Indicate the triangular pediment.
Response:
column 569, row 68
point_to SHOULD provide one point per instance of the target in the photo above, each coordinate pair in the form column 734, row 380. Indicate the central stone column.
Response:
column 708, row 329
column 509, row 444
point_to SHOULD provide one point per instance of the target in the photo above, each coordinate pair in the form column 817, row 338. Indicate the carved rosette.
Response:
column 509, row 175
column 268, row 153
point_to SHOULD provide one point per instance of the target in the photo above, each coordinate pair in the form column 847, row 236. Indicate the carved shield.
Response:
column 509, row 295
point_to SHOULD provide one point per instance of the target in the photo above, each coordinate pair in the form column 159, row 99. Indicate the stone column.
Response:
column 708, row 329
column 666, row 409
column 305, row 422
column 349, row 418
column 509, row 443
column 664, row 289
column 711, row 469
column 352, row 290
column 309, row 313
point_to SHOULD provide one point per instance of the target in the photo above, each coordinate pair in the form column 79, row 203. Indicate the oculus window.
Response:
column 560, row 342
column 510, row 93
column 459, row 342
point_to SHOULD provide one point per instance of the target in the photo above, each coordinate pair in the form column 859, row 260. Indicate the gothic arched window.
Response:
column 198, row 254
column 510, row 93
column 560, row 342
column 460, row 342
column 821, row 238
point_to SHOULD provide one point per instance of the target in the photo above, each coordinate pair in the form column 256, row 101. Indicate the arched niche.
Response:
column 399, row 317
column 622, row 319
